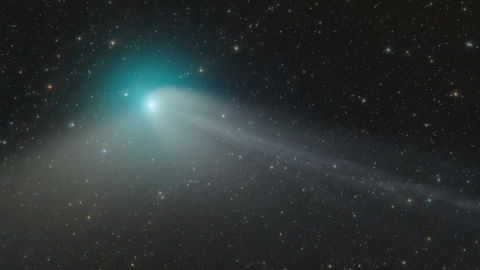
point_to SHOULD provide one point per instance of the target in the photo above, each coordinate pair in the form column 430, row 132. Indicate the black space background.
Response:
column 391, row 83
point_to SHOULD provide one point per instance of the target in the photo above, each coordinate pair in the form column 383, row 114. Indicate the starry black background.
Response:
column 391, row 86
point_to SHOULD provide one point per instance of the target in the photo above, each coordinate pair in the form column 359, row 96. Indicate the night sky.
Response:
column 239, row 134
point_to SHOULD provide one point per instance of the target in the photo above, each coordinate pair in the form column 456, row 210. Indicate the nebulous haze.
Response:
column 232, row 135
